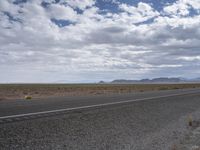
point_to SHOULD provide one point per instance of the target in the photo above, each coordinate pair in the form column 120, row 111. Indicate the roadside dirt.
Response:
column 191, row 140
column 20, row 91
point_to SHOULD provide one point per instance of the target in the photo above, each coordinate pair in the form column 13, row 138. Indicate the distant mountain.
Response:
column 61, row 81
column 123, row 81
column 154, row 80
column 166, row 80
column 102, row 82
column 194, row 80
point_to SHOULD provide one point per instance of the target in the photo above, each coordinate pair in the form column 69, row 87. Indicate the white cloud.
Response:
column 81, row 4
column 101, row 45
column 194, row 3
column 62, row 12
column 182, row 7
column 137, row 14
column 7, row 6
column 189, row 58
column 178, row 8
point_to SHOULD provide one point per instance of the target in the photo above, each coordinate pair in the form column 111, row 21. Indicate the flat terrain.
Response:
column 148, row 124
column 19, row 91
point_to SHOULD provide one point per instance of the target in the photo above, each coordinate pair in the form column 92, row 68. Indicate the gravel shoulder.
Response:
column 144, row 125
column 191, row 140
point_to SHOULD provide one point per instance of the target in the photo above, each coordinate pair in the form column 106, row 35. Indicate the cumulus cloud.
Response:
column 62, row 12
column 178, row 8
column 139, row 13
column 77, row 41
column 182, row 7
column 81, row 4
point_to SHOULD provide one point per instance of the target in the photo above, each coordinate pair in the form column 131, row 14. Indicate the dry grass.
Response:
column 190, row 120
column 19, row 91
column 28, row 97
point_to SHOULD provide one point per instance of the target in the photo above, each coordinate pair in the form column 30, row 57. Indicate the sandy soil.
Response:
column 19, row 91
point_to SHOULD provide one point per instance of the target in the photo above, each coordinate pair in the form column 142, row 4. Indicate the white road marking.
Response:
column 90, row 106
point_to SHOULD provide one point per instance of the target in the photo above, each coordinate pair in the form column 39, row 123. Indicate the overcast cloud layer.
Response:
column 88, row 41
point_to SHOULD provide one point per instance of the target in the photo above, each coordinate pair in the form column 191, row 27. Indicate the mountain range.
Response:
column 155, row 80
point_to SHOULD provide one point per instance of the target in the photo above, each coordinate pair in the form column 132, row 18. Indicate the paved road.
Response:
column 18, row 108
column 151, row 124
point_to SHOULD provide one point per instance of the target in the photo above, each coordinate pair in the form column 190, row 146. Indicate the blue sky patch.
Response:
column 149, row 21
column 107, row 6
column 61, row 22
column 11, row 18
column 16, row 2
column 45, row 4
column 79, row 11
column 193, row 12
column 156, row 4
column 111, row 6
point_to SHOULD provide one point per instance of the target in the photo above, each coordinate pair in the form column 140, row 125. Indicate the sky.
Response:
column 76, row 41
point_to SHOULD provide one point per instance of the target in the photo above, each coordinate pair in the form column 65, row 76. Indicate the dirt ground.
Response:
column 20, row 91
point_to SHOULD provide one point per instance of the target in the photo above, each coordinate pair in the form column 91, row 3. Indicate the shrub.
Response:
column 28, row 97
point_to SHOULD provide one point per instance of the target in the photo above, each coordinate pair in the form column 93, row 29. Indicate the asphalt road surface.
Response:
column 140, row 121
column 11, row 108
